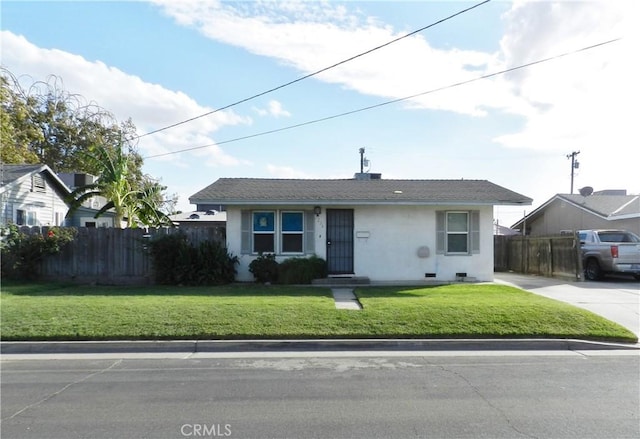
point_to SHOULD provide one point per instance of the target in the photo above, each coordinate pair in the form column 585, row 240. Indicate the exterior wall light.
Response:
column 317, row 210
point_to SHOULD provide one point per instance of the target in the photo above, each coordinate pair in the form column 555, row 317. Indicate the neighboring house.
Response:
column 504, row 231
column 207, row 218
column 32, row 195
column 84, row 216
column 564, row 213
column 386, row 230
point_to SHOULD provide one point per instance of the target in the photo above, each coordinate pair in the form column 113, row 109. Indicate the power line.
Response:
column 314, row 73
column 382, row 104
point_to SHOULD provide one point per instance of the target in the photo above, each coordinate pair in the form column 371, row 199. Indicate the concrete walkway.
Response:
column 345, row 299
column 616, row 299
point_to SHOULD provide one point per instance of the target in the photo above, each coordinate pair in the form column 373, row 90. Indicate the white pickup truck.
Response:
column 609, row 251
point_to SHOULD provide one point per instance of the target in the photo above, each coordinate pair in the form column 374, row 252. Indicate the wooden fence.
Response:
column 112, row 256
column 551, row 256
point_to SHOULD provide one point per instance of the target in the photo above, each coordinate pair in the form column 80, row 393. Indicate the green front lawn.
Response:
column 68, row 312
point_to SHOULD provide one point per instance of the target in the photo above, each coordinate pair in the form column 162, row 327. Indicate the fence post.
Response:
column 576, row 246
column 550, row 266
column 525, row 255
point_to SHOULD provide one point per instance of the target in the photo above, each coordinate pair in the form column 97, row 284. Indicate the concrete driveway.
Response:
column 616, row 299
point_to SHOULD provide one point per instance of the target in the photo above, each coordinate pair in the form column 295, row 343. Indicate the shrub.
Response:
column 215, row 265
column 264, row 268
column 301, row 270
column 21, row 253
column 171, row 256
column 176, row 262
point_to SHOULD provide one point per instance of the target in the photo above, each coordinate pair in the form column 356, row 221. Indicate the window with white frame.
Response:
column 457, row 229
column 292, row 232
column 21, row 217
column 277, row 231
column 458, row 232
column 26, row 217
column 264, row 232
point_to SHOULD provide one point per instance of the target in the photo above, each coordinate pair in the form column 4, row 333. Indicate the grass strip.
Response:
column 72, row 312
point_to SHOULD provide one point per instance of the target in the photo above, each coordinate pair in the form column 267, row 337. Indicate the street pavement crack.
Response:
column 58, row 392
column 488, row 402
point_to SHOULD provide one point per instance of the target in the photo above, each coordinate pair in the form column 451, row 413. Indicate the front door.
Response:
column 340, row 241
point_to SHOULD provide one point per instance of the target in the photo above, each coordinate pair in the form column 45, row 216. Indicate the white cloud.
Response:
column 313, row 35
column 584, row 101
column 556, row 98
column 274, row 108
column 150, row 106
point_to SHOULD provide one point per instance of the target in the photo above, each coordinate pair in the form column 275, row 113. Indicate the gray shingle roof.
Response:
column 237, row 191
column 606, row 205
column 11, row 173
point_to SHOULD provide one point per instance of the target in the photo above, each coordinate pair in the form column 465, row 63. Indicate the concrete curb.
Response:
column 193, row 346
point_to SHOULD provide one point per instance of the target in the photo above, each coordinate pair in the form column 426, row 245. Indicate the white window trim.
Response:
column 246, row 231
column 30, row 217
column 278, row 232
column 466, row 233
column 15, row 216
column 473, row 232
column 58, row 218
column 38, row 183
column 274, row 232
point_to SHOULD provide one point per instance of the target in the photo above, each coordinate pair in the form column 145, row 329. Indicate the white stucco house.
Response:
column 384, row 230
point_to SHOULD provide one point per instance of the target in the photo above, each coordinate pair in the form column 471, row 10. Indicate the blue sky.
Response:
column 166, row 61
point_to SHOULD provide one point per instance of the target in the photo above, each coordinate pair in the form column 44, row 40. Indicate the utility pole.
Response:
column 574, row 165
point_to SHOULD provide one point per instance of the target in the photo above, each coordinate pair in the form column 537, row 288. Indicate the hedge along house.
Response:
column 384, row 230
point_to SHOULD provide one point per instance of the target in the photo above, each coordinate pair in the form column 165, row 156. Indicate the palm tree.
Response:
column 145, row 205
column 112, row 183
column 118, row 184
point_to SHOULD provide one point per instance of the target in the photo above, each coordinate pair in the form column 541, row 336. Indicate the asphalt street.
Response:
column 563, row 394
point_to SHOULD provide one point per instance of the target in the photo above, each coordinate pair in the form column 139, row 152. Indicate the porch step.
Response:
column 342, row 280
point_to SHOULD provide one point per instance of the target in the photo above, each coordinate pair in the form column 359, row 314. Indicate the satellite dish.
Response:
column 586, row 191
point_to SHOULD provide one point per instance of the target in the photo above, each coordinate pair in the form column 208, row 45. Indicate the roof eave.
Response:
column 361, row 202
column 625, row 216
column 55, row 180
column 535, row 213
